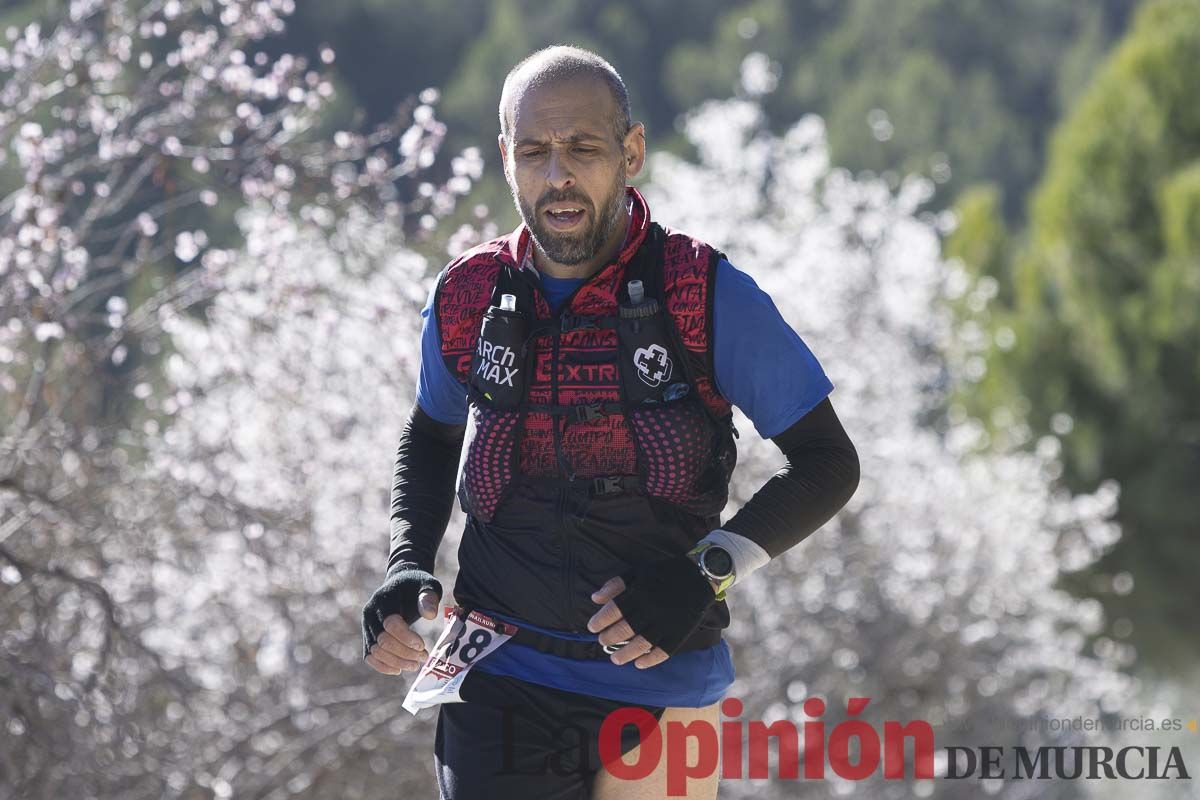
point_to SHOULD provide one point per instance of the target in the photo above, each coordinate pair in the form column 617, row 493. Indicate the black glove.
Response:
column 665, row 600
column 397, row 595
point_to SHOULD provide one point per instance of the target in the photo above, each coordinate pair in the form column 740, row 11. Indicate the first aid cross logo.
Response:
column 653, row 364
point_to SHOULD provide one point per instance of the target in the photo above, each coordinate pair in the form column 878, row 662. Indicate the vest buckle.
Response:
column 588, row 412
column 608, row 484
column 571, row 322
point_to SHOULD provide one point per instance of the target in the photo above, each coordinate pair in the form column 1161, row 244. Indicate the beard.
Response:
column 575, row 247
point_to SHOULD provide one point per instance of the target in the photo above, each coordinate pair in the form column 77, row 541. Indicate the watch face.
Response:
column 718, row 562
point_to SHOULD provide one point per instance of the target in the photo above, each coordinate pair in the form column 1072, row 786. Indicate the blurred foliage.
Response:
column 1100, row 294
column 256, row 487
column 964, row 91
column 1104, row 301
column 980, row 239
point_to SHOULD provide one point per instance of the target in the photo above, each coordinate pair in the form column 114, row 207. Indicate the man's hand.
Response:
column 390, row 645
column 654, row 607
column 612, row 627
column 398, row 648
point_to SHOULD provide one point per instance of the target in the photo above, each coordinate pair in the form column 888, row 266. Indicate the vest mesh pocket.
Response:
column 488, row 460
column 676, row 441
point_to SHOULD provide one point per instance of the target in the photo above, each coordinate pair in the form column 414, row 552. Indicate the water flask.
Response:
column 498, row 364
column 651, row 374
column 638, row 307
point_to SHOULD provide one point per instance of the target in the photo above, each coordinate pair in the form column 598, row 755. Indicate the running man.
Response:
column 576, row 391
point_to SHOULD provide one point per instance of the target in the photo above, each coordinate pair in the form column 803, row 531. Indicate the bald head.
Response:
column 560, row 64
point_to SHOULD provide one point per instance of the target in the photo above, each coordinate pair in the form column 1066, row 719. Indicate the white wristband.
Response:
column 747, row 555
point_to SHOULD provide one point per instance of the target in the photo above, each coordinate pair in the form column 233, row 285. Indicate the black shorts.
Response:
column 511, row 738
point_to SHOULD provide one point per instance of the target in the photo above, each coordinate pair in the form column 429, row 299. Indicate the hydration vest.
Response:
column 609, row 395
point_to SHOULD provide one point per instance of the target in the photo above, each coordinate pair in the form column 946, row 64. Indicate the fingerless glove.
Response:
column 665, row 600
column 397, row 595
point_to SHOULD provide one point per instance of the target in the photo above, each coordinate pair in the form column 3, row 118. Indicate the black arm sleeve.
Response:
column 423, row 488
column 821, row 475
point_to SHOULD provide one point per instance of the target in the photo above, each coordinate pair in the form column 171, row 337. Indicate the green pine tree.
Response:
column 1105, row 305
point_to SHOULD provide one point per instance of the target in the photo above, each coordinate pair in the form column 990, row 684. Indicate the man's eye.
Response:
column 532, row 153
column 585, row 150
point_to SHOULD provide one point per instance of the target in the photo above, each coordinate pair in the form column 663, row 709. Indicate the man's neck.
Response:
column 589, row 268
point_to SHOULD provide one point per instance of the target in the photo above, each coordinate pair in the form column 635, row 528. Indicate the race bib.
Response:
column 465, row 640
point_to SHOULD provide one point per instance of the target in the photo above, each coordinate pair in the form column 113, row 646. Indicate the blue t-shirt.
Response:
column 765, row 369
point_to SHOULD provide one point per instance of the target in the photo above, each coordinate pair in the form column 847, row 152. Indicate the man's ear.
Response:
column 503, row 154
column 634, row 149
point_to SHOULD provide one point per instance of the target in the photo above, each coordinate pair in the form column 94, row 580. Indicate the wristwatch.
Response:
column 716, row 564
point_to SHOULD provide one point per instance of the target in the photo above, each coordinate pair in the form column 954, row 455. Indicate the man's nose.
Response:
column 558, row 174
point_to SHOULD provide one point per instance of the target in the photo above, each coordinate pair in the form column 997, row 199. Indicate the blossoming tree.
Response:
column 131, row 132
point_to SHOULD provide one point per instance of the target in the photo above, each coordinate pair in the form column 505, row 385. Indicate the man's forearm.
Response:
column 820, row 476
column 423, row 488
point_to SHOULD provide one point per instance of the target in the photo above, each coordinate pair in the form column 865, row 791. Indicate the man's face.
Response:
column 565, row 154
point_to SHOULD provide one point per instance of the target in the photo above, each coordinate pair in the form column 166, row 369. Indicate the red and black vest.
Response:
column 608, row 395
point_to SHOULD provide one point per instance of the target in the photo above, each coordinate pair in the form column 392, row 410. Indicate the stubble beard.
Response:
column 575, row 247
